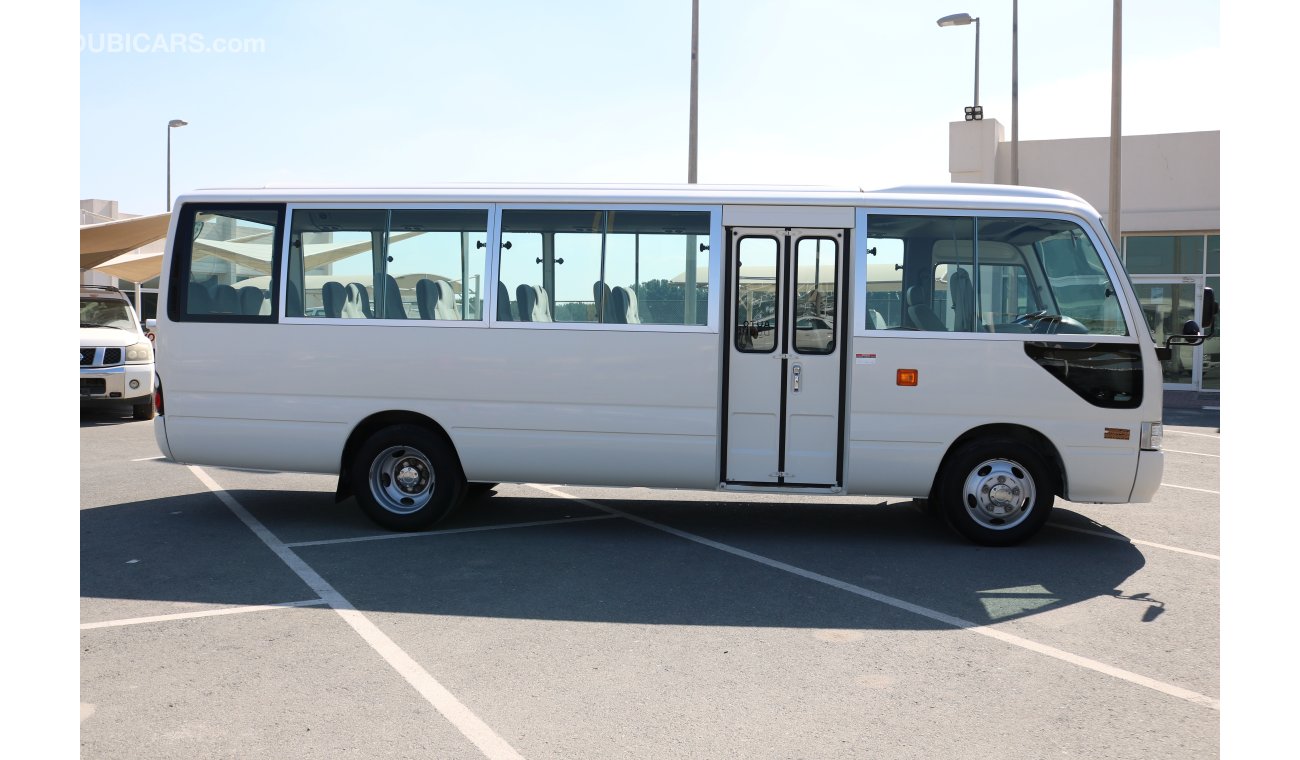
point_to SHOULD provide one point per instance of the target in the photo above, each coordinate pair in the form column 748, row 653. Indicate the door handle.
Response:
column 796, row 371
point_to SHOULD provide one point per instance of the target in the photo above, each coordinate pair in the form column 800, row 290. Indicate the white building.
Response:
column 1169, row 220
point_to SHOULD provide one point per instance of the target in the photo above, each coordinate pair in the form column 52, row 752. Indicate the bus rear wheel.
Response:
column 996, row 492
column 407, row 478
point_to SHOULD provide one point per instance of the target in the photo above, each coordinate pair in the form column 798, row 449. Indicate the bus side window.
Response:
column 608, row 266
column 439, row 258
column 884, row 283
column 228, row 259
column 910, row 263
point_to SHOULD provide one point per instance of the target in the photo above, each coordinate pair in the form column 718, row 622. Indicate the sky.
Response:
column 818, row 92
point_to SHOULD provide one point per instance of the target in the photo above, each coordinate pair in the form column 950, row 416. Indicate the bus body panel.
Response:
column 898, row 435
column 598, row 408
column 275, row 444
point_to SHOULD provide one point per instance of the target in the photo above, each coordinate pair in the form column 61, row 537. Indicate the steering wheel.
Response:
column 1030, row 317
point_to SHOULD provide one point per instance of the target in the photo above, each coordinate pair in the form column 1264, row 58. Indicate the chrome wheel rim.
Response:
column 401, row 479
column 999, row 494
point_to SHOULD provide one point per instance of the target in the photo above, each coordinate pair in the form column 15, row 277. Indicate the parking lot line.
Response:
column 1189, row 488
column 941, row 617
column 1127, row 540
column 200, row 614
column 1193, row 453
column 1188, row 432
column 470, row 725
column 430, row 533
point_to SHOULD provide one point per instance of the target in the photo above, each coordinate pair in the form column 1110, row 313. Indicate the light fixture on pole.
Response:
column 173, row 124
column 975, row 112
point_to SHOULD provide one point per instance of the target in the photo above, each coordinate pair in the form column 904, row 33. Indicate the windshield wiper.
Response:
column 92, row 324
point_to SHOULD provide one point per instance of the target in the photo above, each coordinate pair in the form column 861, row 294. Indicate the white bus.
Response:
column 977, row 347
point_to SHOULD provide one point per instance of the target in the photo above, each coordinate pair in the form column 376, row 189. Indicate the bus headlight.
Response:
column 1153, row 436
column 140, row 353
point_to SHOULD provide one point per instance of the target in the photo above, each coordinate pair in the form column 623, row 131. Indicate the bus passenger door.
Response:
column 785, row 359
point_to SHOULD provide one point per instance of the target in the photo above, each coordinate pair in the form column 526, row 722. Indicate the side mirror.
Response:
column 151, row 324
column 1210, row 311
column 1191, row 336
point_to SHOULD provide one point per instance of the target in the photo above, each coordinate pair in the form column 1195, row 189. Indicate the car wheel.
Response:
column 996, row 492
column 407, row 477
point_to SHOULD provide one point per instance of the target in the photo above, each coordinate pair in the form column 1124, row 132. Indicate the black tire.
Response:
column 142, row 411
column 996, row 492
column 406, row 478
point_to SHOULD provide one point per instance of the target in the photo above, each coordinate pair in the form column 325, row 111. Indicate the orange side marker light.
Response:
column 908, row 377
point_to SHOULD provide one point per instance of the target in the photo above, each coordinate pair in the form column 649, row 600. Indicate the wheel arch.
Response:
column 1022, row 433
column 373, row 424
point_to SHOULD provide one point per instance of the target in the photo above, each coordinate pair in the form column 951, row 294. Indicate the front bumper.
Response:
column 128, row 382
column 1151, row 467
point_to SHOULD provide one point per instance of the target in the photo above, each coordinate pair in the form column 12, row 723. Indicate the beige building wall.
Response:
column 1169, row 194
column 1168, row 182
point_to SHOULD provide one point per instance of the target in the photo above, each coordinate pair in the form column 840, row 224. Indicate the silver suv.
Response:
column 116, row 356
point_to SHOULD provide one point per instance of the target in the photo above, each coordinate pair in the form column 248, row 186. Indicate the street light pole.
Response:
column 692, row 150
column 1116, row 82
column 690, row 284
column 173, row 124
column 1015, row 92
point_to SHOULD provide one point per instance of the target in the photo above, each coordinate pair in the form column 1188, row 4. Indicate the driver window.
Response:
column 988, row 275
column 1051, row 280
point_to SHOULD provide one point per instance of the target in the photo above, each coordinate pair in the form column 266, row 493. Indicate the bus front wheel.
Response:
column 408, row 478
column 996, row 492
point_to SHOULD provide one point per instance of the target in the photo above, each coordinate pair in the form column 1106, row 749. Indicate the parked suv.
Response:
column 116, row 355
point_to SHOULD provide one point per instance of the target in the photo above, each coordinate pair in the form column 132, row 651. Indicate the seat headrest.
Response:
column 333, row 296
column 250, row 300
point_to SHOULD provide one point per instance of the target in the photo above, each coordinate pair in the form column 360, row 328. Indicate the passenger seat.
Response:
column 333, row 296
column 534, row 303
column 625, row 306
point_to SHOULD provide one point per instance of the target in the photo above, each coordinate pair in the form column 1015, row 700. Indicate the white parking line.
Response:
column 148, row 459
column 956, row 622
column 1189, row 488
column 1193, row 453
column 451, row 708
column 1188, row 432
column 431, row 533
column 1127, row 540
column 199, row 614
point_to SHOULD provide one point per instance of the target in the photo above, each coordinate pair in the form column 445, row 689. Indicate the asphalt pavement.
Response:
column 233, row 613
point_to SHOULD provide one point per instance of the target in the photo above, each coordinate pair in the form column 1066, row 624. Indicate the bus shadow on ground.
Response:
column 192, row 549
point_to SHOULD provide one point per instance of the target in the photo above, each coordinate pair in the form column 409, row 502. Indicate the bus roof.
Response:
column 956, row 195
